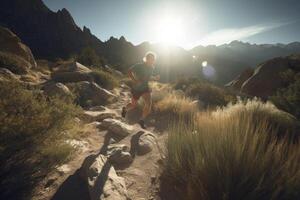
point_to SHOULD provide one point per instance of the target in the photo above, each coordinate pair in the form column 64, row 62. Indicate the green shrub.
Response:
column 89, row 57
column 104, row 79
column 33, row 134
column 208, row 94
column 229, row 154
column 14, row 63
column 288, row 98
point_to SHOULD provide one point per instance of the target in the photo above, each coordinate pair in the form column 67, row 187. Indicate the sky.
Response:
column 187, row 23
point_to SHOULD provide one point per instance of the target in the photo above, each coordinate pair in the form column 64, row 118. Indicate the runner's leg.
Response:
column 148, row 103
column 132, row 104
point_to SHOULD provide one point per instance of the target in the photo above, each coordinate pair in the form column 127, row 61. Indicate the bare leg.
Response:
column 129, row 106
column 148, row 103
column 132, row 104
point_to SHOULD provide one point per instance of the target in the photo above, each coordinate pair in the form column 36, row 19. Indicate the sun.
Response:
column 170, row 30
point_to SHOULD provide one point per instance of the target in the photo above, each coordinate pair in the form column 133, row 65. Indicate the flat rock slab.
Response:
column 117, row 127
column 102, row 180
column 91, row 116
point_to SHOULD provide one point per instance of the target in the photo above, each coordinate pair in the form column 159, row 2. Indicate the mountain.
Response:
column 249, row 54
column 55, row 35
column 49, row 34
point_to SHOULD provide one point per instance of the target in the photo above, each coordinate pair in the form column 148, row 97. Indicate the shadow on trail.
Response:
column 75, row 188
column 72, row 188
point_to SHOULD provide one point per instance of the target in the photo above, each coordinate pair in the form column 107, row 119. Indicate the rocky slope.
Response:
column 267, row 77
column 49, row 34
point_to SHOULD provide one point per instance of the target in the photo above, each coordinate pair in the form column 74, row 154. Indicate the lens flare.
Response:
column 204, row 64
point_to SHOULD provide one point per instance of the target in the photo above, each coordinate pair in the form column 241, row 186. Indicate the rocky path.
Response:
column 118, row 160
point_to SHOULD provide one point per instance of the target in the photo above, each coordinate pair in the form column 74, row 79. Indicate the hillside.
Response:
column 49, row 34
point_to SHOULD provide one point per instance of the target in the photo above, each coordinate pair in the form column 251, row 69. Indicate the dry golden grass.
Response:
column 233, row 153
column 33, row 134
column 175, row 106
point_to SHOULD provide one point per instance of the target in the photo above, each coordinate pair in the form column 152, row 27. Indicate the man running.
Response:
column 141, row 74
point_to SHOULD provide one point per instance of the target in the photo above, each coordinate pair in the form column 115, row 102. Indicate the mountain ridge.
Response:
column 53, row 35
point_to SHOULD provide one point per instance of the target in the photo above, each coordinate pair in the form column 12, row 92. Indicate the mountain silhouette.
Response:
column 53, row 35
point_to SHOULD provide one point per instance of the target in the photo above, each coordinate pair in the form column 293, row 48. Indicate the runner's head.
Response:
column 149, row 58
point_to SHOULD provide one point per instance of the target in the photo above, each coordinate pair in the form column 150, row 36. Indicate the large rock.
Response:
column 90, row 116
column 237, row 83
column 267, row 76
column 70, row 72
column 58, row 90
column 117, row 127
column 102, row 180
column 91, row 94
column 146, row 142
column 113, row 71
column 14, row 55
column 7, row 75
column 71, row 67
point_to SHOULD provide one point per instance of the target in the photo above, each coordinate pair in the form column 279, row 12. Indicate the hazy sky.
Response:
column 188, row 22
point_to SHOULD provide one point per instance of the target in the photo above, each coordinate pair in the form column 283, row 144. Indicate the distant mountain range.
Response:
column 55, row 35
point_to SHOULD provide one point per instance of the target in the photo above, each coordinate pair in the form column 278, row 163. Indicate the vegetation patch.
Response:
column 33, row 134
column 232, row 153
column 104, row 79
column 288, row 98
column 208, row 94
column 14, row 63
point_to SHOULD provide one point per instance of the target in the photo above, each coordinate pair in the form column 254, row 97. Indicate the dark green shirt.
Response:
column 143, row 73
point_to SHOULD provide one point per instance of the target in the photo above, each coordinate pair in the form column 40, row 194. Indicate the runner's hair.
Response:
column 148, row 54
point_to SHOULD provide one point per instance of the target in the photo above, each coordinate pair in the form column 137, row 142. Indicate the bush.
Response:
column 89, row 57
column 33, row 132
column 288, row 98
column 208, row 94
column 175, row 107
column 229, row 154
column 104, row 79
column 14, row 63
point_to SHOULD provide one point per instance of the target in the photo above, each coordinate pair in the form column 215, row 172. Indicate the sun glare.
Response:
column 204, row 64
column 170, row 30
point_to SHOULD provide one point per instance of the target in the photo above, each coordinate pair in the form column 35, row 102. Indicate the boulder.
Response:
column 237, row 83
column 57, row 89
column 6, row 74
column 71, row 67
column 118, row 154
column 267, row 77
column 117, row 127
column 97, row 108
column 102, row 180
column 113, row 71
column 70, row 72
column 146, row 142
column 91, row 94
column 90, row 116
column 14, row 55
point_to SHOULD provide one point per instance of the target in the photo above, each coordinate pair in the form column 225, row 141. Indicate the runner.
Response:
column 141, row 74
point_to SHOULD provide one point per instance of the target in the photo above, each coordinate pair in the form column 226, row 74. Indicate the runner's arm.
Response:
column 155, row 78
column 131, row 75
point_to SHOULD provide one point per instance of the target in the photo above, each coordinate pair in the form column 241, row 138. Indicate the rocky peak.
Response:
column 86, row 30
column 122, row 39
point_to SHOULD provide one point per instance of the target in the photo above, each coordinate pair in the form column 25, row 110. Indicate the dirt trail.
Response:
column 141, row 177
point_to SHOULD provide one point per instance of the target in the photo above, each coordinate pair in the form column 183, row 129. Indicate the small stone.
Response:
column 146, row 143
column 118, row 154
